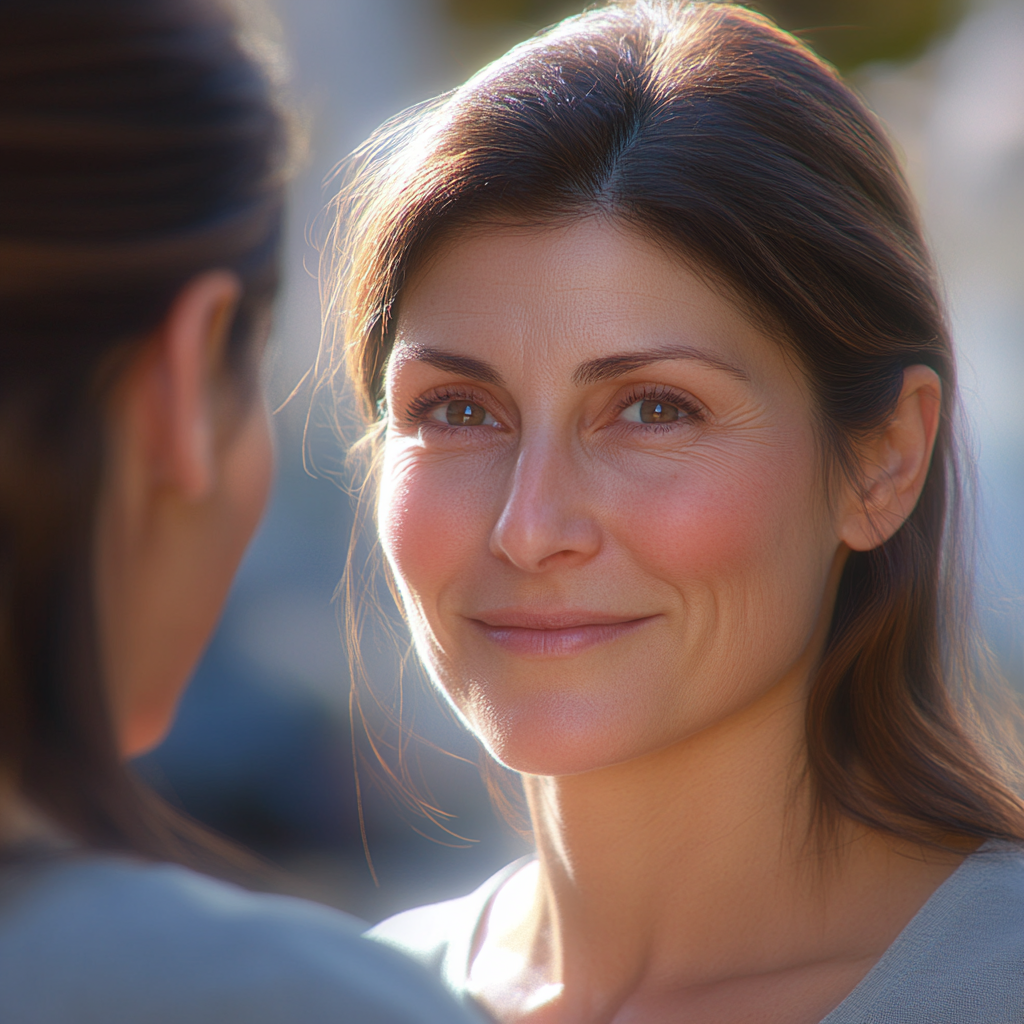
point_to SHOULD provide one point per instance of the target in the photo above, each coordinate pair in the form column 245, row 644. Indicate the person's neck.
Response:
column 692, row 870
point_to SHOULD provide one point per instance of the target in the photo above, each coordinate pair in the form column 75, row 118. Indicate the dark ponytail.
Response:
column 140, row 144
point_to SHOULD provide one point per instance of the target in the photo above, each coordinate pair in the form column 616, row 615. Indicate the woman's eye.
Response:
column 652, row 411
column 463, row 414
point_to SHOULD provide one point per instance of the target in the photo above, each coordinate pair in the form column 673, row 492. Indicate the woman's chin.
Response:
column 564, row 745
column 530, row 759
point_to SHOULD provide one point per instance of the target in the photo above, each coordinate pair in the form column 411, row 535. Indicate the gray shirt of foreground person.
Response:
column 94, row 939
column 960, row 960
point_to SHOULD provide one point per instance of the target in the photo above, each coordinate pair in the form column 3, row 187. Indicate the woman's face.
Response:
column 602, row 496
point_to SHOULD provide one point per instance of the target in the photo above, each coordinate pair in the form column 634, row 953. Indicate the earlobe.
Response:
column 895, row 463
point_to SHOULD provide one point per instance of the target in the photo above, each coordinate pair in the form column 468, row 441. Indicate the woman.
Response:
column 140, row 211
column 664, row 403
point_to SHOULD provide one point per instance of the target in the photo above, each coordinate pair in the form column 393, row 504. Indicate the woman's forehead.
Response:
column 589, row 294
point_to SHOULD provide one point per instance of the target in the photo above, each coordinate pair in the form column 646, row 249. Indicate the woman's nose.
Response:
column 546, row 520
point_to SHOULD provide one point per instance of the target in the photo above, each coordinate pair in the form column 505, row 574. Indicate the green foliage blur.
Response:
column 849, row 33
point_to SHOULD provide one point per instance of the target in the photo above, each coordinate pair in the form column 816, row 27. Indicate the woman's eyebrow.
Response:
column 591, row 372
column 609, row 367
column 464, row 366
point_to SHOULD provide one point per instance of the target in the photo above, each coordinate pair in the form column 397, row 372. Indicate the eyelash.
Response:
column 692, row 409
column 419, row 407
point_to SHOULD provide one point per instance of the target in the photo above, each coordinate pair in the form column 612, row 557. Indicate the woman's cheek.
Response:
column 715, row 518
column 427, row 518
column 699, row 519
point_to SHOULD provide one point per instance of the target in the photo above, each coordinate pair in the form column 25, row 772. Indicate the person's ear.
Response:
column 189, row 357
column 894, row 464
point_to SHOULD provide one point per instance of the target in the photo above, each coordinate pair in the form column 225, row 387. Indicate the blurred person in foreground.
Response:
column 662, row 399
column 141, row 184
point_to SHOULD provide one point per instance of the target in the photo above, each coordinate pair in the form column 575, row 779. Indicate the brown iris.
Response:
column 465, row 414
column 658, row 412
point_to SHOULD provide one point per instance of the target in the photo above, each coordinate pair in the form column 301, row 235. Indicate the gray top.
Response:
column 91, row 939
column 960, row 960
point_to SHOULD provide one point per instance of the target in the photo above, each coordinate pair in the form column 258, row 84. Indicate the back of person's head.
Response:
column 140, row 146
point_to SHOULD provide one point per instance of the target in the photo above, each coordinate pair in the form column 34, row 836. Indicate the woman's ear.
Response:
column 189, row 354
column 894, row 464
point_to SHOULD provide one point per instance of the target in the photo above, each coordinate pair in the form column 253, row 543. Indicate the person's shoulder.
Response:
column 103, row 938
column 440, row 935
column 961, row 959
column 428, row 933
column 986, row 897
column 989, row 883
column 971, row 931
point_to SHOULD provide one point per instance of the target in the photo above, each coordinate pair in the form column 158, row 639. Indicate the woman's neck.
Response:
column 685, row 880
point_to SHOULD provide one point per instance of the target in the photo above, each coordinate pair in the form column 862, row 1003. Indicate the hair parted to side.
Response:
column 706, row 127
column 140, row 145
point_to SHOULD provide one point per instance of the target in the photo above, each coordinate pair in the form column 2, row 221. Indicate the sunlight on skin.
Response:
column 602, row 500
column 508, row 969
column 542, row 996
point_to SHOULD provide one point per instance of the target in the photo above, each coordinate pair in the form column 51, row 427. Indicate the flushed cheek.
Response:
column 703, row 521
column 432, row 522
column 746, row 554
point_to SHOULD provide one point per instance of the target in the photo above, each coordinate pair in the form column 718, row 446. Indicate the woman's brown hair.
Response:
column 140, row 144
column 706, row 127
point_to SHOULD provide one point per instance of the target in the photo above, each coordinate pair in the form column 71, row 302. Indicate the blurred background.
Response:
column 262, row 749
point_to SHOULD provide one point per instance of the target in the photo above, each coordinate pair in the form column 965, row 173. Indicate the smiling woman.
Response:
column 664, row 403
column 627, row 425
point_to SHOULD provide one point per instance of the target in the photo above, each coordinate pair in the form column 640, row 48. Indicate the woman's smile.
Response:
column 555, row 634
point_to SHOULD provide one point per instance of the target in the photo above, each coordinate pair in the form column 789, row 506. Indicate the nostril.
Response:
column 545, row 521
column 545, row 541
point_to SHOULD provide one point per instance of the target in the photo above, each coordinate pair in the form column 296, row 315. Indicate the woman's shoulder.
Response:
column 112, row 939
column 961, row 959
column 440, row 936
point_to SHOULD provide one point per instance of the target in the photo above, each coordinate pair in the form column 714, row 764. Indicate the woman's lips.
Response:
column 556, row 635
